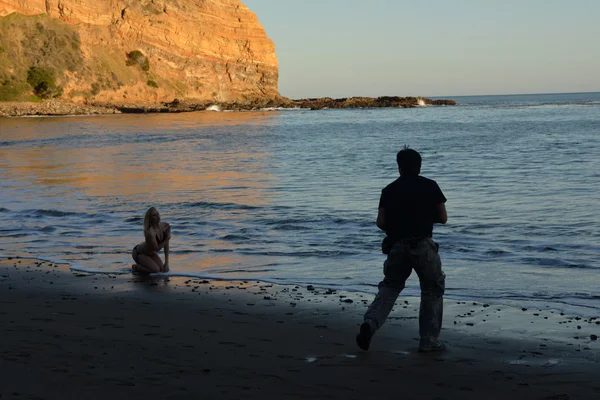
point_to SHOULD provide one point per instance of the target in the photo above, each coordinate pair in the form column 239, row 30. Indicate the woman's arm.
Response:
column 166, row 264
column 164, row 243
column 166, row 237
column 167, row 233
column 151, row 242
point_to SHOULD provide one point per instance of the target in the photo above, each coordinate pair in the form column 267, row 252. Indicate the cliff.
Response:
column 136, row 51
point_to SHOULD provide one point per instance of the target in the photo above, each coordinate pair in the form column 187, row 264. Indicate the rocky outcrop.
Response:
column 209, row 50
column 51, row 107
column 369, row 102
column 57, row 107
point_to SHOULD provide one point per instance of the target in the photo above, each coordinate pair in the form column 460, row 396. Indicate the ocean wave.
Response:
column 220, row 206
column 548, row 248
column 302, row 223
column 240, row 270
column 54, row 213
column 525, row 105
column 16, row 235
column 234, row 237
column 497, row 252
column 134, row 219
column 556, row 263
column 314, row 253
column 565, row 295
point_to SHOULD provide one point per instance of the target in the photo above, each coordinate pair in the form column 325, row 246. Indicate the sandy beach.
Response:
column 72, row 335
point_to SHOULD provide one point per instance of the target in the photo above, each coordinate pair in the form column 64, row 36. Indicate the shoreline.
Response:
column 572, row 311
column 165, row 336
column 65, row 108
column 574, row 325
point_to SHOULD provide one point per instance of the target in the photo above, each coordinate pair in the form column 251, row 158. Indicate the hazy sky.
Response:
column 343, row 48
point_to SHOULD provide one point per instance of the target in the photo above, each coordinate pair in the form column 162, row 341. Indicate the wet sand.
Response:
column 69, row 335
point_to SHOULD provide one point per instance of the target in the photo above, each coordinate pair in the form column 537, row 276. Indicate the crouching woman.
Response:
column 157, row 235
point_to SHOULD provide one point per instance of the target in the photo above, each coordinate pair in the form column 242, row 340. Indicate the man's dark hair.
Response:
column 409, row 162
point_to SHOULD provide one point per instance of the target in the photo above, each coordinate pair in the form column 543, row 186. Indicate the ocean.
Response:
column 291, row 197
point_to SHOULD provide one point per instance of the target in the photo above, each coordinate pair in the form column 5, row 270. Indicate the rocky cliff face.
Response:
column 190, row 49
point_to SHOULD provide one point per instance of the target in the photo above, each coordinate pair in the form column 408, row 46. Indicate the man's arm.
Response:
column 381, row 219
column 442, row 214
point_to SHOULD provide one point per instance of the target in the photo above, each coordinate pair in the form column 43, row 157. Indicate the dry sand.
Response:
column 77, row 336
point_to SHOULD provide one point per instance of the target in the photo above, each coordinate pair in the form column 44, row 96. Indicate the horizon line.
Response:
column 444, row 96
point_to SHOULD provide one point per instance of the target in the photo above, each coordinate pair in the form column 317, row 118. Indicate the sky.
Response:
column 343, row 48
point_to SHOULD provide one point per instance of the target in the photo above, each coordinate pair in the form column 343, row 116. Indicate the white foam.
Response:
column 283, row 109
column 421, row 102
column 178, row 274
column 214, row 107
column 78, row 268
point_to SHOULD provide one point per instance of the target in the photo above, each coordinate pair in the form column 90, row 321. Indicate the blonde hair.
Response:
column 147, row 219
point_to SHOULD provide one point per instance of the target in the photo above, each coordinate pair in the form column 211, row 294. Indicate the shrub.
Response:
column 43, row 83
column 153, row 84
column 138, row 58
column 95, row 88
column 14, row 91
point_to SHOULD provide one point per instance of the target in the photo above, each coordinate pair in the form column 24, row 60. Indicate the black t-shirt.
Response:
column 410, row 206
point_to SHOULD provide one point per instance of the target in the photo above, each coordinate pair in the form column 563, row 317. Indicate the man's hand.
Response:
column 165, row 267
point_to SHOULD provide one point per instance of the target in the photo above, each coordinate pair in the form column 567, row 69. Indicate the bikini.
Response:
column 135, row 252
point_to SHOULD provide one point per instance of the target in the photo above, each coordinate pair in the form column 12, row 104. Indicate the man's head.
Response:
column 409, row 162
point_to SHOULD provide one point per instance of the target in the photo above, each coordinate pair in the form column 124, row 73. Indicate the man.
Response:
column 408, row 208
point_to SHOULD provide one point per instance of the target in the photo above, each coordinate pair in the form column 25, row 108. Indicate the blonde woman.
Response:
column 156, row 237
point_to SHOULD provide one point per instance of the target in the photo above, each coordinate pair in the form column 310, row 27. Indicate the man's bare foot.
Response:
column 135, row 268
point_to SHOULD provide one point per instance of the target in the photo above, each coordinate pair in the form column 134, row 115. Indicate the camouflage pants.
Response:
column 403, row 258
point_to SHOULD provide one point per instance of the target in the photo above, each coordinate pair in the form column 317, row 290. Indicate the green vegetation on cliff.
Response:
column 138, row 58
column 39, row 56
column 43, row 82
column 36, row 52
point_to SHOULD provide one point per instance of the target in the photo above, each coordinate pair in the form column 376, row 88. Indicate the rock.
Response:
column 594, row 337
column 51, row 107
column 364, row 102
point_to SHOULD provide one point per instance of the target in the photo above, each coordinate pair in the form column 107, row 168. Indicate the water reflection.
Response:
column 152, row 156
column 34, row 128
column 205, row 170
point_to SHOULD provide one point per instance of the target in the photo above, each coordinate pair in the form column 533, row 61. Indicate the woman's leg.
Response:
column 157, row 261
column 134, row 254
column 146, row 264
